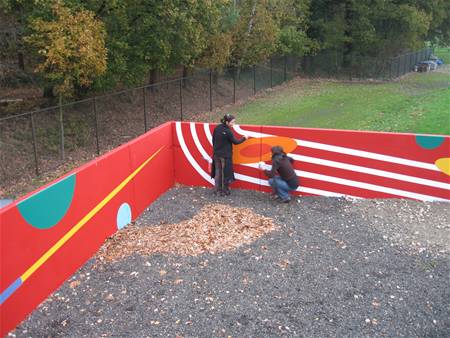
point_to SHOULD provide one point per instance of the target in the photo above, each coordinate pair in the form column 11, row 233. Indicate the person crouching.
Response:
column 282, row 177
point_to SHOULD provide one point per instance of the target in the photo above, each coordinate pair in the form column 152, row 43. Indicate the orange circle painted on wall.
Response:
column 250, row 150
column 259, row 149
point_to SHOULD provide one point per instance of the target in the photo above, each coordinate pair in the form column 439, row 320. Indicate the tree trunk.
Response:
column 348, row 45
column 249, row 30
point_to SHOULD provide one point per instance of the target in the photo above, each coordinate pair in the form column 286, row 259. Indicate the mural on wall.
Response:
column 328, row 162
column 48, row 235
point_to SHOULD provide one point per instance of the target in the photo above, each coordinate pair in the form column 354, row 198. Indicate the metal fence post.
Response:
column 254, row 79
column 33, row 134
column 145, row 110
column 410, row 62
column 181, row 99
column 285, row 68
column 97, row 143
column 210, row 90
column 390, row 69
column 271, row 73
column 61, row 126
column 234, row 85
column 404, row 64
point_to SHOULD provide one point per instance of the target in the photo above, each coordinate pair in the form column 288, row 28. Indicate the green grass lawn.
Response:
column 418, row 103
column 443, row 53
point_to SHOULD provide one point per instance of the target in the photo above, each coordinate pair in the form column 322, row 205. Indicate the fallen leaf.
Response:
column 74, row 284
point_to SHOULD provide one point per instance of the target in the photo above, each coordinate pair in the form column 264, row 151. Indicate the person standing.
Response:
column 222, row 166
column 282, row 176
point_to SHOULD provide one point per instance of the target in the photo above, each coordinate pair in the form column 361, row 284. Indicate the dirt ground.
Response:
column 329, row 267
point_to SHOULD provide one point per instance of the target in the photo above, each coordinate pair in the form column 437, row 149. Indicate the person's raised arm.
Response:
column 233, row 139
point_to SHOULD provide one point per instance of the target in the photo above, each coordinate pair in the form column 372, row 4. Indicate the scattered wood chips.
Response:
column 214, row 229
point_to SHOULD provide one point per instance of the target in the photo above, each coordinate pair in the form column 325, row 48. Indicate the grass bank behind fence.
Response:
column 417, row 103
column 443, row 53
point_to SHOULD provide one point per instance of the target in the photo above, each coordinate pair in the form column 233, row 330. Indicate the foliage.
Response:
column 142, row 37
column 71, row 47
column 255, row 33
column 292, row 18
column 218, row 21
column 378, row 28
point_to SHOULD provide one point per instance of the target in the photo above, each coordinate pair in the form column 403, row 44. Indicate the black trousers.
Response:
column 223, row 173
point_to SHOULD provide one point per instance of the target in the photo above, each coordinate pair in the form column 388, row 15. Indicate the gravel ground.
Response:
column 335, row 268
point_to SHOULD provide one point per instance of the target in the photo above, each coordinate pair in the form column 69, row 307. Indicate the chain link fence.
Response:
column 38, row 142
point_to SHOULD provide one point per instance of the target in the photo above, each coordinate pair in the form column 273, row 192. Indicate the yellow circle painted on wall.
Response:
column 444, row 165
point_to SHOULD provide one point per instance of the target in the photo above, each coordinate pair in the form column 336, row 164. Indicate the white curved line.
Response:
column 207, row 132
column 208, row 158
column 348, row 151
column 352, row 183
column 366, row 170
column 323, row 192
column 197, row 142
column 307, row 190
column 188, row 155
column 369, row 186
column 375, row 172
column 251, row 179
column 362, row 185
column 303, row 189
column 341, row 181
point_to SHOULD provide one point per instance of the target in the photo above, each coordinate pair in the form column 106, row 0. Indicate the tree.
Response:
column 71, row 47
column 292, row 18
column 372, row 27
column 218, row 20
column 255, row 34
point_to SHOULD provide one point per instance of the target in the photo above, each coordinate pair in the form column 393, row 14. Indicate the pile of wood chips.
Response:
column 214, row 229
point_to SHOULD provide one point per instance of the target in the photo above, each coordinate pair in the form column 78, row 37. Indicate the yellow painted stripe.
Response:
column 84, row 220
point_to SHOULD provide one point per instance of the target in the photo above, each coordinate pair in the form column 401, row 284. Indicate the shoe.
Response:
column 274, row 197
column 287, row 200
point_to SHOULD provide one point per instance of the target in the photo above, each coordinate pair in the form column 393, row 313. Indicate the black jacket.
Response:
column 223, row 140
column 282, row 165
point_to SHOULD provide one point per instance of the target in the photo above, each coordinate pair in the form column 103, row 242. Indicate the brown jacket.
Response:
column 282, row 165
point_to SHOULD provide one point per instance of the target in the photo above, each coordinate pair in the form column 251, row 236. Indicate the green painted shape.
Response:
column 46, row 208
column 429, row 142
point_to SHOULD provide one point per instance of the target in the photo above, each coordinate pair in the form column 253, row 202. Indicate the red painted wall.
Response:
column 22, row 244
column 328, row 162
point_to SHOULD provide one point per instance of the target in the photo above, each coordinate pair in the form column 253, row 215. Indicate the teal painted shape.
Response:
column 429, row 142
column 47, row 207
